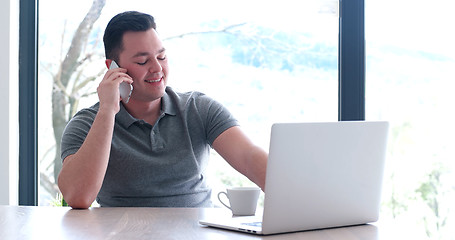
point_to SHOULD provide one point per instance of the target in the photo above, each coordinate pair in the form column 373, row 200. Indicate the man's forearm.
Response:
column 82, row 174
column 248, row 159
column 257, row 166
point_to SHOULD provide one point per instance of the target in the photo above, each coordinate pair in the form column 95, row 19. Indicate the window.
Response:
column 410, row 68
column 270, row 69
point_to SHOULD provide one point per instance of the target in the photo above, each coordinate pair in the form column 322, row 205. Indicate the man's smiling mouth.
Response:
column 153, row 81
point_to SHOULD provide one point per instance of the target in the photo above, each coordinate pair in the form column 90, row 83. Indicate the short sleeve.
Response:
column 76, row 131
column 215, row 117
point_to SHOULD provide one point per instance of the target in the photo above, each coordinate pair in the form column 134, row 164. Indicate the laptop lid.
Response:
column 322, row 175
column 319, row 175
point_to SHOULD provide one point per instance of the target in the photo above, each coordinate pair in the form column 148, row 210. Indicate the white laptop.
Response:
column 319, row 175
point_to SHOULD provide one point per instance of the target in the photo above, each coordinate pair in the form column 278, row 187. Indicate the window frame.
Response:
column 351, row 83
column 351, row 61
column 28, row 99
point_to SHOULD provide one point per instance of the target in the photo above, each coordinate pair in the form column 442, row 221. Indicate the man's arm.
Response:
column 240, row 152
column 82, row 173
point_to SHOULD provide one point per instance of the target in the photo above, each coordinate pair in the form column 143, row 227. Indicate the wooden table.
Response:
column 19, row 222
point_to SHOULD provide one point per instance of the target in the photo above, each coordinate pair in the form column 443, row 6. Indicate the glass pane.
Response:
column 265, row 61
column 410, row 69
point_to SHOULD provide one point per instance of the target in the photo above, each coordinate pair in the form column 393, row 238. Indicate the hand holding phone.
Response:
column 125, row 88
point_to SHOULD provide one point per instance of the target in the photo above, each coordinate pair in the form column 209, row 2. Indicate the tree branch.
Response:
column 225, row 30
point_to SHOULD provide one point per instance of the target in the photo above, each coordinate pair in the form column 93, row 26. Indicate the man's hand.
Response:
column 108, row 89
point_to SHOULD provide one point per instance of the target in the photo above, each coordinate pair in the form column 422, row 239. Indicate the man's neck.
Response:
column 147, row 111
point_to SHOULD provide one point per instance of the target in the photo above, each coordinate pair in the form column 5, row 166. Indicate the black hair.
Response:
column 121, row 23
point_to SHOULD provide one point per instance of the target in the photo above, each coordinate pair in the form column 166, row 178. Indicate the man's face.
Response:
column 145, row 59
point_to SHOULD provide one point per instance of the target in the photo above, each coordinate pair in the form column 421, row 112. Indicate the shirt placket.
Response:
column 156, row 139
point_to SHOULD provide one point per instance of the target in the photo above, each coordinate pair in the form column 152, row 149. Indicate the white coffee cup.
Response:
column 242, row 200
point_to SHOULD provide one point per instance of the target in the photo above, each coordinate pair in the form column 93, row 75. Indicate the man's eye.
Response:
column 161, row 58
column 142, row 63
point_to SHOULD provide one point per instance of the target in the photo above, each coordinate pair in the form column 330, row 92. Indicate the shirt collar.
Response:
column 167, row 108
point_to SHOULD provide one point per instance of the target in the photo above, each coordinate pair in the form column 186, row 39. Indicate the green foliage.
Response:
column 397, row 203
column 59, row 201
column 432, row 193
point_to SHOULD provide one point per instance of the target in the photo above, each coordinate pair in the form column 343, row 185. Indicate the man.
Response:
column 153, row 150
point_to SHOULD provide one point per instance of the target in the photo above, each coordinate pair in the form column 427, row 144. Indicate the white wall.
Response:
column 9, row 125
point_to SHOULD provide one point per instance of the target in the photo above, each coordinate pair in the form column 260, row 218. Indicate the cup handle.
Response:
column 219, row 198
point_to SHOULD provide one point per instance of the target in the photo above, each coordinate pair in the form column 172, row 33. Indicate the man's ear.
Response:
column 108, row 63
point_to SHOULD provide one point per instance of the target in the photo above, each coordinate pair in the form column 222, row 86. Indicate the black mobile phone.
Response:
column 125, row 88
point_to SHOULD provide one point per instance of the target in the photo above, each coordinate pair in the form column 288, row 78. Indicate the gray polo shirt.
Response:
column 161, row 165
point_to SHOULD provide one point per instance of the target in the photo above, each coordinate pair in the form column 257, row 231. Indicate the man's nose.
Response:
column 155, row 66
